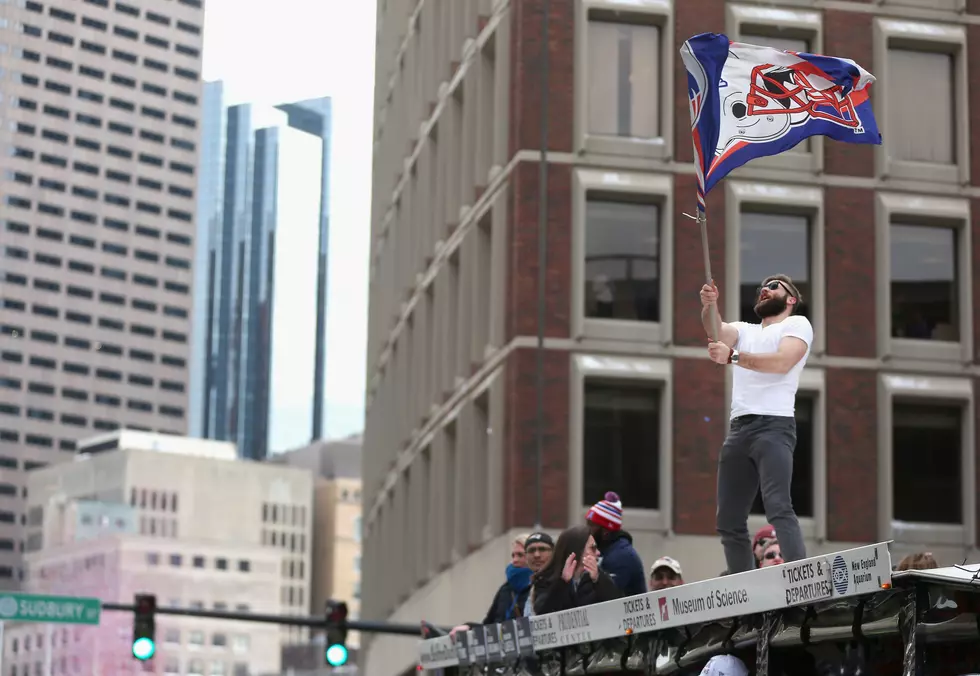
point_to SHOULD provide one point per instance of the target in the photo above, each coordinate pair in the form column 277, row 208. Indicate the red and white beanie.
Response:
column 607, row 513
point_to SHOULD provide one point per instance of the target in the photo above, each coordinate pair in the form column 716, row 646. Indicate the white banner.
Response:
column 436, row 653
column 854, row 572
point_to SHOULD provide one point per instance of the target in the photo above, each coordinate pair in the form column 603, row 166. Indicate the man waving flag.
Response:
column 746, row 102
column 750, row 101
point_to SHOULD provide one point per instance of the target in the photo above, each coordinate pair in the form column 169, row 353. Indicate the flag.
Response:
column 749, row 101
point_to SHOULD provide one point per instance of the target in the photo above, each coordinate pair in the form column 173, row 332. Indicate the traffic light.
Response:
column 144, row 626
column 336, row 653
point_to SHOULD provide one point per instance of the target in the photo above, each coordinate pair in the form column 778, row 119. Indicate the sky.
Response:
column 302, row 50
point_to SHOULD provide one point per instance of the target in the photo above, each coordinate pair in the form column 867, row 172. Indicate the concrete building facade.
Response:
column 100, row 103
column 882, row 240
column 337, row 500
column 180, row 518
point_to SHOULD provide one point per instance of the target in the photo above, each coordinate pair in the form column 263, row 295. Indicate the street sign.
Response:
column 42, row 608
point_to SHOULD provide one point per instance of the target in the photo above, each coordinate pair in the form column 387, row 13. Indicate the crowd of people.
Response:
column 596, row 562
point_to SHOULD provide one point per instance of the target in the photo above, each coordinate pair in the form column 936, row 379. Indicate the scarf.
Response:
column 518, row 579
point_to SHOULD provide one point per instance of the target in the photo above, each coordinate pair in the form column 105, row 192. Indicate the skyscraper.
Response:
column 264, row 315
column 100, row 103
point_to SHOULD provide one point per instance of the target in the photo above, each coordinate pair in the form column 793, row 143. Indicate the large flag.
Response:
column 749, row 101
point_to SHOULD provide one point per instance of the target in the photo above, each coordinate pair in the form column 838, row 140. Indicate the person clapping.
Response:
column 572, row 578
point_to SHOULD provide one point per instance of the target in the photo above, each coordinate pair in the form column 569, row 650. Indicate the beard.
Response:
column 770, row 307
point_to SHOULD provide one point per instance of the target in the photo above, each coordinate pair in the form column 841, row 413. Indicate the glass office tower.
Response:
column 262, row 300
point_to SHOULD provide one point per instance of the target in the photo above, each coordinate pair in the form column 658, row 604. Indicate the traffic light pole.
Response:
column 316, row 622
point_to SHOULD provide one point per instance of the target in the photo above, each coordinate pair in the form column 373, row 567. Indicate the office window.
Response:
column 926, row 486
column 622, row 260
column 924, row 284
column 801, row 489
column 624, row 79
column 621, row 441
column 909, row 139
column 767, row 240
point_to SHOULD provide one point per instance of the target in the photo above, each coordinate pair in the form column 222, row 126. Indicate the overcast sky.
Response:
column 293, row 50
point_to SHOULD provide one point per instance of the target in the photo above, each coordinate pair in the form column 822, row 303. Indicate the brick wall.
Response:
column 699, row 387
column 689, row 257
column 521, row 305
column 975, row 235
column 849, row 239
column 848, row 34
column 520, row 440
column 525, row 75
column 699, row 428
column 852, row 462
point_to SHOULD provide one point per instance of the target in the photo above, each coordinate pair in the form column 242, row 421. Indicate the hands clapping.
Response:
column 589, row 563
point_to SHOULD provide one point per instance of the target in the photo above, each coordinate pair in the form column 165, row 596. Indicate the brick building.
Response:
column 880, row 238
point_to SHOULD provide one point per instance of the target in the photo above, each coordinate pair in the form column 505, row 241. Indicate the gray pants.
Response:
column 759, row 448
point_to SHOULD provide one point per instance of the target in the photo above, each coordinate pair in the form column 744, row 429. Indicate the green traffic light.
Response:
column 143, row 648
column 337, row 655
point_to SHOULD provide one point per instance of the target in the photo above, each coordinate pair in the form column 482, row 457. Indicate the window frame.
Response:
column 661, row 14
column 932, row 211
column 813, row 384
column 778, row 198
column 623, row 369
column 660, row 191
column 940, row 389
column 923, row 35
column 958, row 6
column 782, row 22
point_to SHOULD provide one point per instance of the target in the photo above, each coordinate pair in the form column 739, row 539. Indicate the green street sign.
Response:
column 41, row 608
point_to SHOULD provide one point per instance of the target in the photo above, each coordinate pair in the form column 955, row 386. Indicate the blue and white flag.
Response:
column 749, row 101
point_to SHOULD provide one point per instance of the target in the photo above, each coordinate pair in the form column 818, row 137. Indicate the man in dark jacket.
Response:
column 619, row 559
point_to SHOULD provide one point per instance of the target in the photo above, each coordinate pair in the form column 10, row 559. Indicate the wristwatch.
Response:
column 733, row 356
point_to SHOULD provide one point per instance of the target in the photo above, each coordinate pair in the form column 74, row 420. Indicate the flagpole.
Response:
column 703, row 222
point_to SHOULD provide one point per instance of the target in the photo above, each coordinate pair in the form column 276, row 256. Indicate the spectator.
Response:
column 772, row 555
column 538, row 550
column 919, row 561
column 665, row 572
column 510, row 598
column 572, row 578
column 763, row 537
column 619, row 559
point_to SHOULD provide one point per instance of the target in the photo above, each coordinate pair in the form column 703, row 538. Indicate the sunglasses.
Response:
column 538, row 550
column 775, row 284
column 772, row 555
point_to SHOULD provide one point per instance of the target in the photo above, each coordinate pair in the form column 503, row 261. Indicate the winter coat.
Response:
column 621, row 562
column 551, row 596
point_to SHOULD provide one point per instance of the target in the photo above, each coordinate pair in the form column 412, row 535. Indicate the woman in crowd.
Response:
column 572, row 578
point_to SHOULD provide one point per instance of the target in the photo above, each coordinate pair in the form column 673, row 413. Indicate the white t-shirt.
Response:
column 755, row 393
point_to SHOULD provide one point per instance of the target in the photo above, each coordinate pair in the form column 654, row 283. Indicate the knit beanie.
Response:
column 607, row 513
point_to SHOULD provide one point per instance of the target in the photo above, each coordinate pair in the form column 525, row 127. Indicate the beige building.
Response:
column 458, row 455
column 336, row 466
column 185, row 520
column 100, row 110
